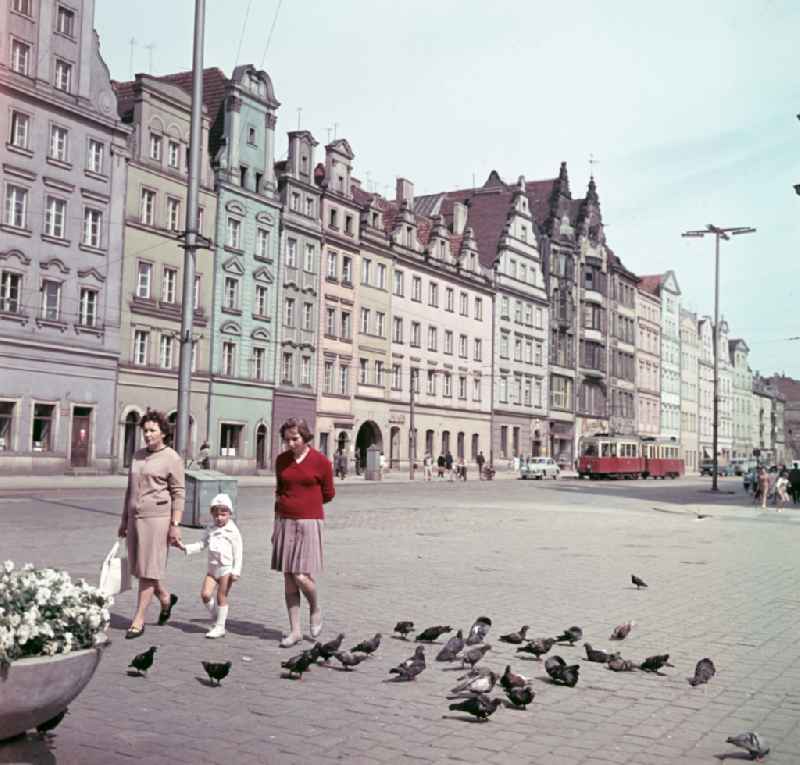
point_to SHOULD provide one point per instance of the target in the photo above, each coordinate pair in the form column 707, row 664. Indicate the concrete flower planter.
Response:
column 35, row 690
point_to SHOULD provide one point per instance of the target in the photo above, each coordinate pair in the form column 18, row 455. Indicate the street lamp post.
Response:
column 719, row 233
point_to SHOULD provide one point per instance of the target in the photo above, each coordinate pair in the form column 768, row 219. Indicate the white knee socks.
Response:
column 222, row 616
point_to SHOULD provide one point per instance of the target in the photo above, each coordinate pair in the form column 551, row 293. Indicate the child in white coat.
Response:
column 224, row 543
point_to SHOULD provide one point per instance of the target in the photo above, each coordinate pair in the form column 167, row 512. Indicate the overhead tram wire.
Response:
column 271, row 31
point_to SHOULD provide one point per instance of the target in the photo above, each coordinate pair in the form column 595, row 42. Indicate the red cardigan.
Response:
column 303, row 489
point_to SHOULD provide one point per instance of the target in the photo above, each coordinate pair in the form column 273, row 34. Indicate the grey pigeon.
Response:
column 596, row 654
column 368, row 646
column 618, row 664
column 451, row 648
column 538, row 647
column 350, row 660
column 570, row 635
column 416, row 657
column 480, row 706
column 433, row 633
column 474, row 685
column 404, row 629
column 300, row 663
column 638, row 582
column 328, row 650
column 143, row 661
column 753, row 743
column 515, row 638
column 560, row 673
column 520, row 696
column 703, row 672
column 411, row 667
column 511, row 679
column 654, row 663
column 475, row 672
column 479, row 630
column 621, row 631
column 473, row 655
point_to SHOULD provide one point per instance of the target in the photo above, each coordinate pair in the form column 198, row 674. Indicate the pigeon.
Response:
column 451, row 648
column 754, row 744
column 511, row 679
column 473, row 655
column 475, row 685
column 479, row 630
column 217, row 671
column 350, row 660
column 703, row 672
column 520, row 696
column 417, row 656
column 596, row 654
column 300, row 663
column 638, row 582
column 53, row 722
column 404, row 629
column 368, row 646
column 479, row 706
column 571, row 636
column 621, row 631
column 143, row 661
column 327, row 650
column 538, row 647
column 560, row 673
column 618, row 664
column 433, row 633
column 654, row 663
column 515, row 638
column 411, row 667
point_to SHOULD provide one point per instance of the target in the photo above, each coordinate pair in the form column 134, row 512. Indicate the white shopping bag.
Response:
column 115, row 576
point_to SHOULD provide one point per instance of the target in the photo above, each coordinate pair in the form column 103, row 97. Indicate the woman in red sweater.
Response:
column 304, row 484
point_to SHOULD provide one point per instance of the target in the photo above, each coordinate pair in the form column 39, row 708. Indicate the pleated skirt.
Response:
column 297, row 545
column 147, row 546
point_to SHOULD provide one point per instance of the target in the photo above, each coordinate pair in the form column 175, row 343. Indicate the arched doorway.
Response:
column 394, row 449
column 445, row 442
column 429, row 443
column 131, row 438
column 474, row 450
column 460, row 445
column 368, row 434
column 262, row 458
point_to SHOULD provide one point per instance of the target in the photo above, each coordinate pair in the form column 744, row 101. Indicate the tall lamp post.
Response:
column 718, row 233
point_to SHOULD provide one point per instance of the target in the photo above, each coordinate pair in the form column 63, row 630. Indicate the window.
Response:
column 518, row 391
column 380, row 324
column 512, row 269
column 262, row 300
column 147, row 207
column 448, row 341
column 165, row 352
column 478, row 308
column 416, row 288
column 397, row 377
column 464, row 304
column 447, row 385
column 333, row 266
column 257, row 362
column 231, row 295
column 504, row 307
column 414, row 379
column 169, row 285
column 416, row 334
column 287, row 367
column 560, row 392
column 23, row 7
column 449, row 300
column 310, row 207
column 6, row 425
column 92, row 227
column 230, row 439
column 327, row 377
column 173, row 153
column 16, row 212
column 539, row 318
column 310, row 257
column 503, row 350
column 529, row 352
column 538, row 355
column 347, row 269
column 20, row 56
column 251, row 136
column 10, row 292
column 397, row 330
column 54, row 217
column 288, row 312
column 518, row 311
column 229, row 359
column 20, row 129
column 173, row 214
column 234, row 233
column 330, row 322
column 344, row 379
column 42, row 434
column 517, row 349
column 528, row 314
column 462, row 346
column 155, row 147
column 295, row 202
column 363, row 371
column 365, row 321
column 527, row 391
column 476, row 389
column 144, row 272
column 537, row 398
column 58, row 143
column 380, row 276
column 347, row 329
column 462, row 387
column 503, row 390
column 433, row 294
column 63, row 76
column 141, row 340
column 262, row 243
column 398, row 284
column 65, row 21
column 308, row 316
column 432, row 338
column 96, row 151
column 478, row 349
column 365, row 268
column 431, row 387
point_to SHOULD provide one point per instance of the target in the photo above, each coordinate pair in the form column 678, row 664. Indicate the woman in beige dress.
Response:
column 151, row 517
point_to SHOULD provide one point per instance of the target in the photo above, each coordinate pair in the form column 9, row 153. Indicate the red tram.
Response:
column 605, row 456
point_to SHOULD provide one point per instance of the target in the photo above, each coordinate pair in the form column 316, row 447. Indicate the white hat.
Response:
column 222, row 500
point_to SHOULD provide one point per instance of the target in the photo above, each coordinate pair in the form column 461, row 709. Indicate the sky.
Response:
column 688, row 109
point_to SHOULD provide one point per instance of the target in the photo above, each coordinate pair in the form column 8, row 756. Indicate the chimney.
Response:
column 355, row 183
column 404, row 192
column 459, row 218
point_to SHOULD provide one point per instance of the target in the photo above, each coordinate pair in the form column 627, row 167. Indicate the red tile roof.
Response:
column 651, row 284
column 214, row 82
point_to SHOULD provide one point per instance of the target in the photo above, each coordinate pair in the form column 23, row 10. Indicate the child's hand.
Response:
column 180, row 545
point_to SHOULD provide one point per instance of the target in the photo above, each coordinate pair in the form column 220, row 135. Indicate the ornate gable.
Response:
column 263, row 274
column 260, row 334
column 57, row 263
column 230, row 328
column 233, row 265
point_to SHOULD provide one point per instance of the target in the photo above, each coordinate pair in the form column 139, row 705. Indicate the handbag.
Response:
column 115, row 575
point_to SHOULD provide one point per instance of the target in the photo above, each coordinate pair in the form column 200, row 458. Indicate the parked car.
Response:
column 707, row 468
column 539, row 467
column 749, row 479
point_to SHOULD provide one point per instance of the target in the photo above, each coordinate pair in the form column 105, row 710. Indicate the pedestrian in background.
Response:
column 794, row 484
column 382, row 464
column 763, row 486
column 781, row 490
column 448, row 465
column 481, row 460
column 462, row 468
column 304, row 485
column 151, row 517
column 204, row 456
column 440, row 464
column 427, row 463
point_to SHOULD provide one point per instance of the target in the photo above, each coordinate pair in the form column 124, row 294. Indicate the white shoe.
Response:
column 216, row 632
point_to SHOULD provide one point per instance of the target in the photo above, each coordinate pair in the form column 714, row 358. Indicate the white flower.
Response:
column 23, row 634
column 8, row 566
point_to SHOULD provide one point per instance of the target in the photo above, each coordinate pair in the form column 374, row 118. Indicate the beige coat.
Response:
column 156, row 486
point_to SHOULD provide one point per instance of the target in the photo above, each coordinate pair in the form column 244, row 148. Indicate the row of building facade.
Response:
column 503, row 306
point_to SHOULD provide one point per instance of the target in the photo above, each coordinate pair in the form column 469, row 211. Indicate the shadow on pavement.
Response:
column 28, row 748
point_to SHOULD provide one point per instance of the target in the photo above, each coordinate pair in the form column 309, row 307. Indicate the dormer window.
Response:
column 332, row 222
column 243, row 176
column 348, row 225
column 340, row 181
column 375, row 220
column 304, row 165
column 155, row 147
column 251, row 136
column 409, row 236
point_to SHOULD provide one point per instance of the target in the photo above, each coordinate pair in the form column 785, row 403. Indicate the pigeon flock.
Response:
column 472, row 693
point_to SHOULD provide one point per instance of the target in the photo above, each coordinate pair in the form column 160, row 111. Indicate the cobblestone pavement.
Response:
column 549, row 555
